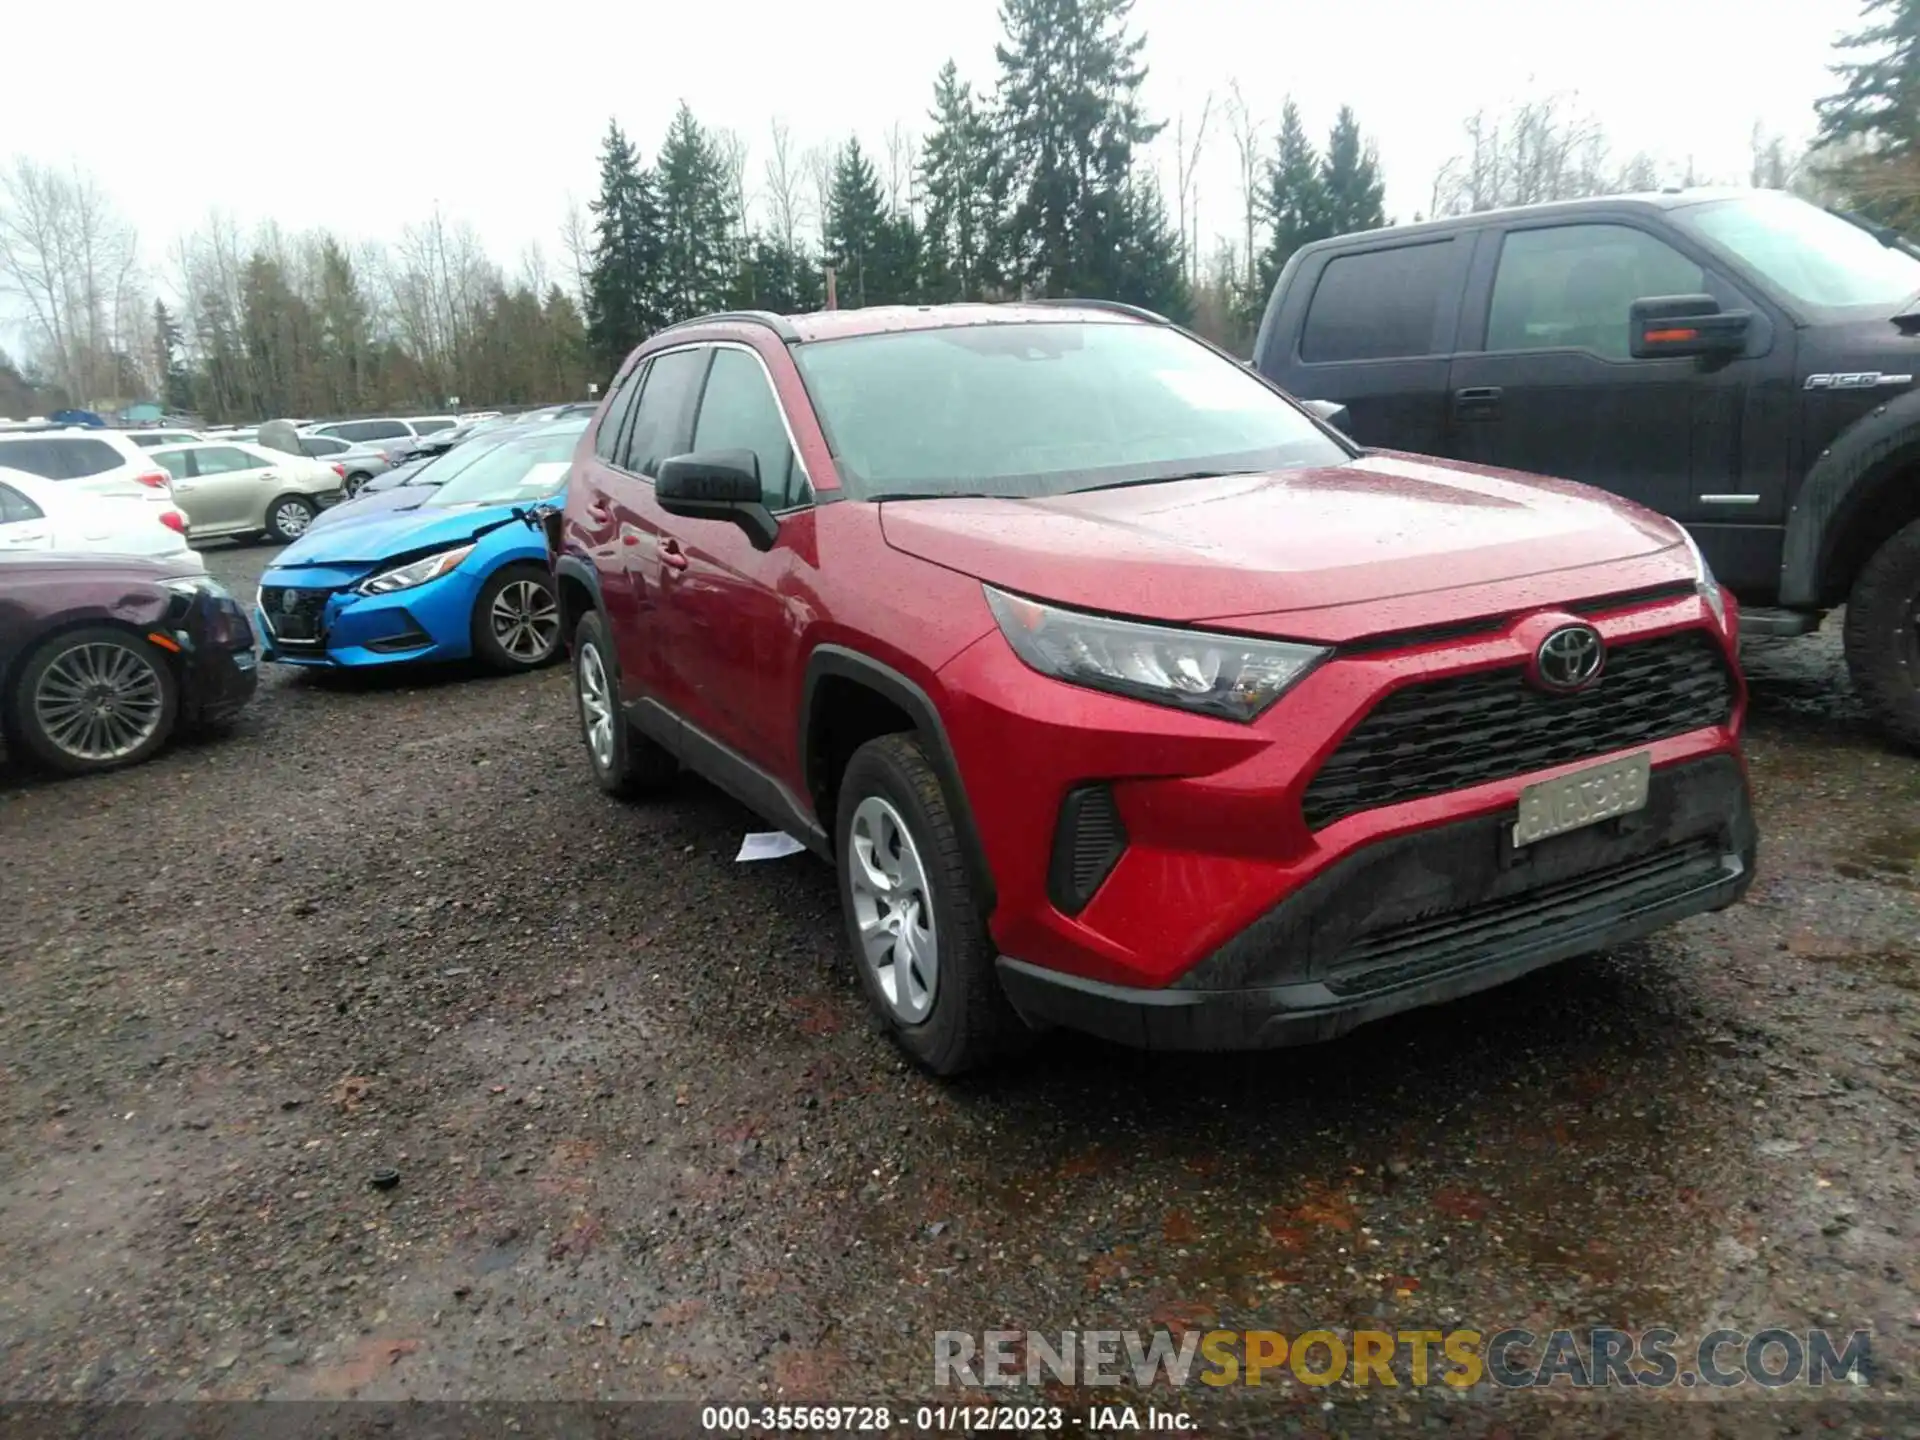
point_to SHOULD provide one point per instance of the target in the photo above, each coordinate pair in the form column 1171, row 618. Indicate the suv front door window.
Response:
column 723, row 621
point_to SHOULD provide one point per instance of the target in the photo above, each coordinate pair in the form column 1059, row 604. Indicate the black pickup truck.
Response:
column 1742, row 361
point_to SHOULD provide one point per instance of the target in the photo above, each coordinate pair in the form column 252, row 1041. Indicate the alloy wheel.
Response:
column 893, row 907
column 526, row 620
column 596, row 706
column 291, row 518
column 99, row 701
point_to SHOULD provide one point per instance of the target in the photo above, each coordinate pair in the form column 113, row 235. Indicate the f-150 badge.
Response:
column 1858, row 380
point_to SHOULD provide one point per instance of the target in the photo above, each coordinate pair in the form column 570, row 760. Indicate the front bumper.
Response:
column 346, row 629
column 1429, row 916
column 218, row 669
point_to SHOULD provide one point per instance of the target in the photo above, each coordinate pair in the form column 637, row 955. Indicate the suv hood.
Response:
column 1292, row 543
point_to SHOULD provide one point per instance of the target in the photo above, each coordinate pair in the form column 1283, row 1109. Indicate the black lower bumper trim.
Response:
column 1412, row 932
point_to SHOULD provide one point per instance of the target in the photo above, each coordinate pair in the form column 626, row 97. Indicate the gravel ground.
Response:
column 650, row 1145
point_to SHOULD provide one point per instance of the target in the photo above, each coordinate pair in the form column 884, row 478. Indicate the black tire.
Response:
column 969, row 1022
column 628, row 764
column 26, row 725
column 286, row 533
column 526, row 589
column 1883, row 635
column 354, row 482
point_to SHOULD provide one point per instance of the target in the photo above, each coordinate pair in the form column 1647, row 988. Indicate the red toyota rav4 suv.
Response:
column 1124, row 693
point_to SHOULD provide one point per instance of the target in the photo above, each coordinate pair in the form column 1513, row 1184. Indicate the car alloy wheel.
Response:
column 99, row 702
column 526, row 621
column 596, row 706
column 291, row 518
column 893, row 909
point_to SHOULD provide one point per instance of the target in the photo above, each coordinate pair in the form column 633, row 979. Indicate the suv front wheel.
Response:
column 1883, row 634
column 624, row 763
column 915, row 923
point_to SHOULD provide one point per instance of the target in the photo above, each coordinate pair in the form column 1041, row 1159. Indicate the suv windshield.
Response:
column 1046, row 409
column 514, row 471
column 1811, row 255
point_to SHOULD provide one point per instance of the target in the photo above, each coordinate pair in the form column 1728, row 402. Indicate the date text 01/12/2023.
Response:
column 938, row 1419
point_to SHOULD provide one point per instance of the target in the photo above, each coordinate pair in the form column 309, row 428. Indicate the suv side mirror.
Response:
column 1671, row 325
column 1330, row 412
column 717, row 485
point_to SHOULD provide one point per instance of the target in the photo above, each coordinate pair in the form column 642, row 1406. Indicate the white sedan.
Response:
column 38, row 514
column 238, row 488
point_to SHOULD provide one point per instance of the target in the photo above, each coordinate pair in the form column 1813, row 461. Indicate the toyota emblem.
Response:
column 1570, row 658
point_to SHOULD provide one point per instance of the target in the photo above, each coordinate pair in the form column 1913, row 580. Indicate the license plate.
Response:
column 1586, row 797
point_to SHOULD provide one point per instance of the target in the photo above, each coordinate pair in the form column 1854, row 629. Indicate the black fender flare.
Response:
column 839, row 661
column 1842, row 477
column 573, row 567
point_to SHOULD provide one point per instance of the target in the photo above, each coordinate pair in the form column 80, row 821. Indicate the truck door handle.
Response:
column 671, row 553
column 1477, row 402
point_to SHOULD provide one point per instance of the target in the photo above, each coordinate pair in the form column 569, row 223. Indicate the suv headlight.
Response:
column 1704, row 582
column 414, row 572
column 1226, row 675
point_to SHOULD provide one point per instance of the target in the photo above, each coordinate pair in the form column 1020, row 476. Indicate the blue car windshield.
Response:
column 513, row 472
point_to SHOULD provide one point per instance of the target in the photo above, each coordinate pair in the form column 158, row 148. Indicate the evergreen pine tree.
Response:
column 1150, row 271
column 1294, row 202
column 1350, row 180
column 1071, row 119
column 176, row 385
column 699, row 261
column 1874, row 119
column 623, row 283
column 857, row 240
column 1880, row 96
column 959, row 175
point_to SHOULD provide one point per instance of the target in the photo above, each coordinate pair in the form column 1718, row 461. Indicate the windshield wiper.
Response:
column 1166, row 479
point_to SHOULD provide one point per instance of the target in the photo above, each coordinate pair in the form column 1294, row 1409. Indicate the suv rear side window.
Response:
column 1570, row 287
column 1378, row 305
column 88, row 457
column 606, row 440
column 738, row 411
column 36, row 457
column 660, row 421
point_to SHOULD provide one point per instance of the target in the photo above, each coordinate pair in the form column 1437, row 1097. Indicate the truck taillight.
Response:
column 153, row 480
column 174, row 521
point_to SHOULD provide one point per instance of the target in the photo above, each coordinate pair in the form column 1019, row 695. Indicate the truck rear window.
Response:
column 1377, row 305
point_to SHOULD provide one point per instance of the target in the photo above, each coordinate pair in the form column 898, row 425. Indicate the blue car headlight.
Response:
column 414, row 572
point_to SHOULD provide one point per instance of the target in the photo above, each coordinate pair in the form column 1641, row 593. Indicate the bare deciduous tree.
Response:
column 786, row 200
column 73, row 263
column 1542, row 149
column 818, row 160
column 731, row 146
column 1186, row 161
column 1247, row 140
column 899, row 147
column 576, row 241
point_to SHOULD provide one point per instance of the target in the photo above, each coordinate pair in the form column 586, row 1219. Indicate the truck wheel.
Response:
column 915, row 924
column 1883, row 635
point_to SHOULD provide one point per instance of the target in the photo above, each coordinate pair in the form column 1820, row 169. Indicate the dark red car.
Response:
column 104, row 657
column 1127, row 695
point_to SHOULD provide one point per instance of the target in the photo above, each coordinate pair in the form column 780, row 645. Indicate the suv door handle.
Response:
column 1477, row 402
column 597, row 511
column 671, row 553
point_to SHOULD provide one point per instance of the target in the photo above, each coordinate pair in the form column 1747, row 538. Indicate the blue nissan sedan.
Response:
column 457, row 577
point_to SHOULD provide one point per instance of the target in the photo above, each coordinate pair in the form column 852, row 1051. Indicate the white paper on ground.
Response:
column 768, row 845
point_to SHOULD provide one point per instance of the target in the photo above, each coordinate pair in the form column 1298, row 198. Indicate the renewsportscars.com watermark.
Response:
column 1655, row 1358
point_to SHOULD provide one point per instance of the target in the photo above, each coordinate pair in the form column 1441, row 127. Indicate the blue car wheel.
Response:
column 516, row 618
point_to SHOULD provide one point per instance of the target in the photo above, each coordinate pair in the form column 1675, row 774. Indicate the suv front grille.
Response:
column 292, row 614
column 1466, row 730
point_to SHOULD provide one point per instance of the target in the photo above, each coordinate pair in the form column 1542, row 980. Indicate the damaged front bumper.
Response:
column 1429, row 916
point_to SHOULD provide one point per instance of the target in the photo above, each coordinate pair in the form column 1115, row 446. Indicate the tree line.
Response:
column 1039, row 181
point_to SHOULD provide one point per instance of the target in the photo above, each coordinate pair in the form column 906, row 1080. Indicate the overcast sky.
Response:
column 363, row 116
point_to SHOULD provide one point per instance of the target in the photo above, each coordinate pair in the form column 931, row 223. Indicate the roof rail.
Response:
column 1118, row 307
column 776, row 323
